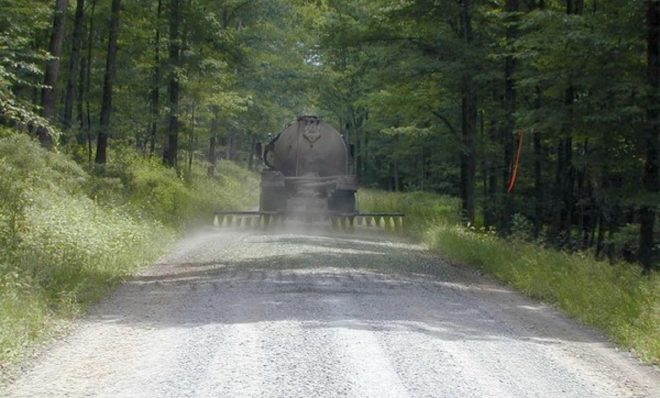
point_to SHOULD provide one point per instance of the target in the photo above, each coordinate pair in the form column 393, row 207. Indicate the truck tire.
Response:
column 272, row 199
column 342, row 201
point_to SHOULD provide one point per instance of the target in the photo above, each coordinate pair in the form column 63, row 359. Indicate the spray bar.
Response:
column 339, row 221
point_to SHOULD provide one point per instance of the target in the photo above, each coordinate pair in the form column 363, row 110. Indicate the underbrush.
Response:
column 148, row 189
column 421, row 209
column 69, row 234
column 614, row 297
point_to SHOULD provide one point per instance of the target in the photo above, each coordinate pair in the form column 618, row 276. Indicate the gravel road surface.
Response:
column 250, row 314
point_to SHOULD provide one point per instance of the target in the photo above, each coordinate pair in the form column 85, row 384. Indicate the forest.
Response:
column 542, row 116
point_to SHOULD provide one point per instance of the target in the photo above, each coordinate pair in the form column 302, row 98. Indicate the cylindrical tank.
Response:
column 309, row 170
column 310, row 147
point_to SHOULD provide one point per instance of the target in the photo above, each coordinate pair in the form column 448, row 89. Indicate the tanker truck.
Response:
column 308, row 176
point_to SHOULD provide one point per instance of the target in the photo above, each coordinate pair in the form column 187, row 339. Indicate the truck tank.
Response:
column 309, row 170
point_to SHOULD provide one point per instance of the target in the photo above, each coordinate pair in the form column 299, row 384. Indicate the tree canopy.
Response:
column 542, row 115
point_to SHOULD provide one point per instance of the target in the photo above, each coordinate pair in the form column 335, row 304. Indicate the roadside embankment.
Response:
column 614, row 297
column 69, row 233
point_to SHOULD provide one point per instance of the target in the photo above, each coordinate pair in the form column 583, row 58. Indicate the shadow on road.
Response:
column 330, row 282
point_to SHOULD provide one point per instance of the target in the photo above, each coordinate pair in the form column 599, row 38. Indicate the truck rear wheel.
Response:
column 342, row 201
column 272, row 199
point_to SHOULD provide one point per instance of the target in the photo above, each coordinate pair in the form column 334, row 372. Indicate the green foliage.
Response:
column 421, row 209
column 521, row 228
column 243, row 62
column 20, row 62
column 613, row 297
column 64, row 251
column 148, row 190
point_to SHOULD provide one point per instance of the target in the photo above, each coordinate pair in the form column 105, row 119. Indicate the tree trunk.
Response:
column 108, row 81
column 601, row 234
column 539, row 152
column 422, row 169
column 191, row 139
column 363, row 152
column 49, row 92
column 558, row 206
column 88, row 81
column 170, row 155
column 468, row 161
column 212, row 142
column 564, row 205
column 229, row 142
column 80, row 101
column 469, row 125
column 80, row 92
column 253, row 142
column 651, row 173
column 578, row 7
column 538, row 185
column 509, row 124
column 155, row 89
column 74, row 61
column 584, row 195
column 490, row 193
column 612, row 228
column 357, row 155
column 395, row 167
column 483, row 163
column 491, row 208
column 564, row 189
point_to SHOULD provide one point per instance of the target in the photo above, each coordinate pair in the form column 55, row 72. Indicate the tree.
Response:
column 508, row 127
column 74, row 62
column 21, row 65
column 469, row 122
column 171, row 151
column 49, row 91
column 108, row 82
column 651, row 172
column 155, row 90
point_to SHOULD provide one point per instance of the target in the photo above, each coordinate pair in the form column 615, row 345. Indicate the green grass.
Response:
column 421, row 209
column 615, row 298
column 69, row 234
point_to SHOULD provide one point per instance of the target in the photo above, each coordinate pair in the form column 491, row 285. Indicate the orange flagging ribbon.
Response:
column 514, row 172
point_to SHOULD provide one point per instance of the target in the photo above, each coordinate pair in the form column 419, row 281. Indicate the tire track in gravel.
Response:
column 477, row 358
column 246, row 314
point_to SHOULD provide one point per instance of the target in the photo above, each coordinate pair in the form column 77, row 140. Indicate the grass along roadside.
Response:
column 615, row 298
column 421, row 209
column 69, row 235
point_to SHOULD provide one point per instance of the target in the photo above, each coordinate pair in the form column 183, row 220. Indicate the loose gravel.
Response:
column 302, row 314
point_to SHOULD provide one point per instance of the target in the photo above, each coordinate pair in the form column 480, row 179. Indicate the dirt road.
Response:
column 244, row 314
